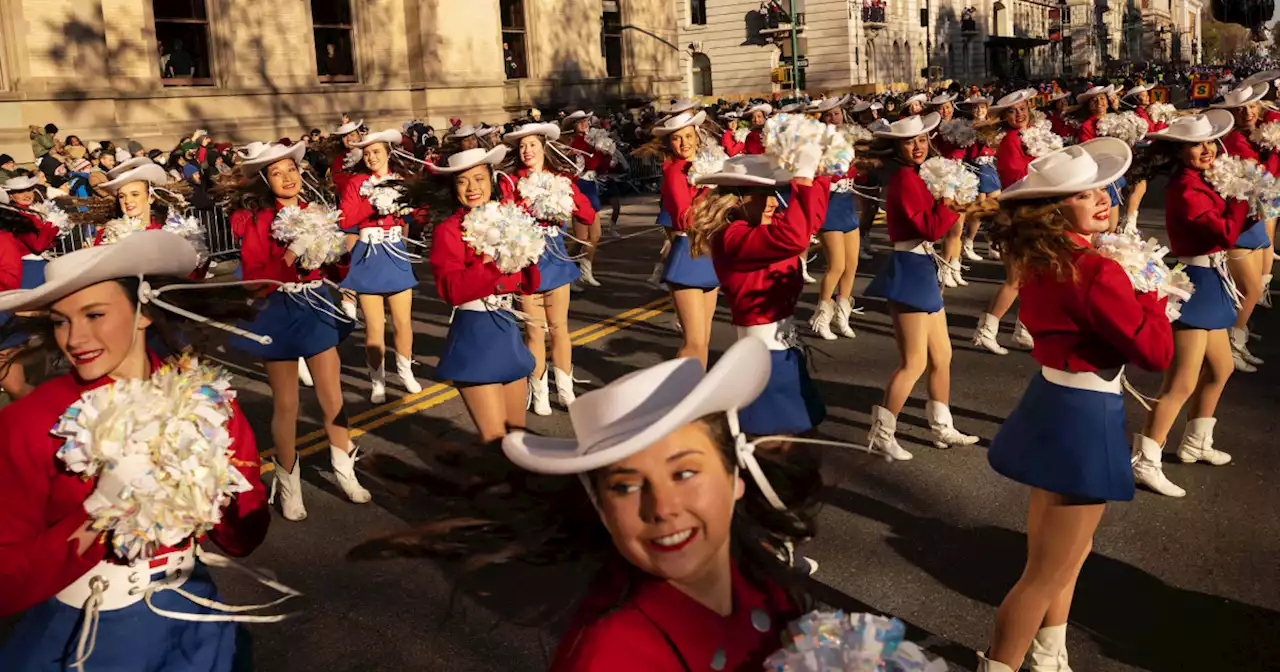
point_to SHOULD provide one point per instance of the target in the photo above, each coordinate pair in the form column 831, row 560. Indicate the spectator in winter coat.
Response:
column 42, row 141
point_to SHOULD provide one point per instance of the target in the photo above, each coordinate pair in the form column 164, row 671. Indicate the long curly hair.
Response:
column 1031, row 236
column 710, row 214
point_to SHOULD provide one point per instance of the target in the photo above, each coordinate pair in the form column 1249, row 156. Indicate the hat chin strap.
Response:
column 148, row 294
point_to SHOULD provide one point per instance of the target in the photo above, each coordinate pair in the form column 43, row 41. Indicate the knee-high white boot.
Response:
column 289, row 487
column 882, row 436
column 540, row 394
column 344, row 468
column 1197, row 443
column 1148, row 470
column 1049, row 650
column 404, row 367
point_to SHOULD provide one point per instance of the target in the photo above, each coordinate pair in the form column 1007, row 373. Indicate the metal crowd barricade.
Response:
column 81, row 235
column 222, row 242
column 644, row 175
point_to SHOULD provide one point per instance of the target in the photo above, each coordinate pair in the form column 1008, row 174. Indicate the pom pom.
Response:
column 175, row 426
column 601, row 140
column 189, row 228
column 1040, row 141
column 1143, row 262
column 549, row 197
column 1161, row 113
column 786, row 134
column 1267, row 135
column 384, row 198
column 117, row 229
column 740, row 134
column 856, row 133
column 709, row 160
column 352, row 158
column 948, row 178
column 1228, row 177
column 505, row 232
column 50, row 212
column 312, row 233
column 831, row 641
column 1126, row 126
column 958, row 132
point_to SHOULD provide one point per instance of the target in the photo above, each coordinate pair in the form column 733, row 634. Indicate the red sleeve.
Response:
column 677, row 195
column 624, row 641
column 1134, row 324
column 582, row 210
column 1011, row 159
column 754, row 247
column 356, row 210
column 1088, row 130
column 39, row 240
column 1220, row 228
column 246, row 519
column 731, row 147
column 755, row 144
column 599, row 161
column 261, row 255
column 930, row 218
column 10, row 262
column 1237, row 145
column 460, row 276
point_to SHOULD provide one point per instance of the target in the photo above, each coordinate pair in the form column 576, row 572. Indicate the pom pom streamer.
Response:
column 1243, row 179
column 1161, row 113
column 549, row 197
column 189, row 228
column 51, row 213
column 117, row 229
column 958, row 132
column 1040, row 141
column 505, row 232
column 786, row 134
column 384, row 197
column 601, row 140
column 1126, row 126
column 740, row 134
column 708, row 161
column 1267, row 135
column 831, row 641
column 948, row 178
column 1143, row 262
column 312, row 233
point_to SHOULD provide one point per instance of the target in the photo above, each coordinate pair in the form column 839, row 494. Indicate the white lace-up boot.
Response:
column 985, row 335
column 344, row 468
column 820, row 323
column 955, row 273
column 564, row 386
column 1049, row 650
column 1265, row 301
column 404, row 367
column 378, row 382
column 349, row 308
column 882, row 436
column 1021, row 337
column 588, row 275
column 844, row 311
column 987, row 665
column 970, row 253
column 304, row 373
column 1240, row 346
column 947, row 275
column 1147, row 469
column 540, row 395
column 945, row 434
column 289, row 487
column 1197, row 443
column 804, row 271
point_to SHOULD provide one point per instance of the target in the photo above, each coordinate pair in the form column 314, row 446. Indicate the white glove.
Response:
column 132, row 471
column 298, row 247
column 807, row 160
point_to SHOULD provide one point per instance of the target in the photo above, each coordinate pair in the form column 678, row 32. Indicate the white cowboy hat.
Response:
column 748, row 170
column 791, row 108
column 128, row 165
column 974, row 100
column 390, row 136
column 1019, row 96
column 548, row 131
column 942, row 99
column 574, row 116
column 681, row 106
column 143, row 253
column 763, row 107
column 259, row 155
column 1058, row 96
column 123, row 156
column 1141, row 88
column 829, row 103
column 20, row 183
column 639, row 409
column 470, row 158
column 1259, row 77
column 921, row 98
column 1211, row 125
column 910, row 127
column 151, row 173
column 865, row 105
column 1088, row 165
column 1092, row 92
column 672, row 124
column 348, row 127
column 1243, row 95
column 485, row 131
column 463, row 131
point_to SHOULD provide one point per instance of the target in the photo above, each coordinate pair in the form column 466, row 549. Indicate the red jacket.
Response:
column 261, row 254
column 1058, row 124
column 1012, row 158
column 461, row 274
column 911, row 212
column 358, row 212
column 1237, row 143
column 582, row 210
column 1088, row 129
column 1198, row 220
column 41, row 238
column 677, row 193
column 949, row 151
column 341, row 176
column 1151, row 125
column 752, row 145
column 759, row 266
column 11, row 253
column 1096, row 321
column 595, row 159
column 41, row 503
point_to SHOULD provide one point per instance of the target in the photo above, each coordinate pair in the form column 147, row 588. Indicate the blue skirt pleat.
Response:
column 910, row 279
column 1114, row 189
column 484, row 347
column 554, row 266
column 376, row 271
column 664, row 219
column 296, row 328
column 591, row 190
column 1253, row 238
column 1067, row 441
column 1211, row 305
column 682, row 269
column 842, row 213
column 33, row 273
column 789, row 404
column 133, row 639
column 988, row 178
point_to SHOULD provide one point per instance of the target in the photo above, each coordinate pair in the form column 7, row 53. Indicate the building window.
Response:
column 514, row 52
column 698, row 12
column 701, row 75
column 182, row 36
column 335, row 44
column 611, row 38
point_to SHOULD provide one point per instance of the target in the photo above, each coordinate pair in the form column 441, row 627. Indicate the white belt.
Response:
column 1218, row 262
column 916, row 246
column 488, row 304
column 374, row 235
column 33, row 257
column 1084, row 380
column 780, row 335
column 124, row 585
column 985, row 160
column 1203, row 261
column 681, row 233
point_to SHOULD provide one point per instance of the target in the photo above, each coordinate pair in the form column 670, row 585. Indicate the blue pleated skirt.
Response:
column 1253, row 238
column 664, row 219
column 484, row 347
column 909, row 279
column 684, row 270
column 1065, row 440
column 1211, row 306
column 296, row 328
column 554, row 266
column 33, row 272
column 988, row 178
column 789, row 404
column 842, row 213
column 375, row 271
column 1114, row 189
column 130, row 639
column 591, row 190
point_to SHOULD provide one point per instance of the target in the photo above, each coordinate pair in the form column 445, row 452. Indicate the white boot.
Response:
column 1265, row 301
column 655, row 278
column 844, row 310
column 289, row 486
column 969, row 252
column 1147, row 469
column 1240, row 346
column 344, row 467
column 1022, row 337
column 881, row 439
column 1241, row 365
column 304, row 373
column 588, row 276
column 947, row 275
column 1049, row 650
column 992, row 253
column 349, row 308
column 945, row 434
column 564, row 386
column 955, row 273
column 378, row 381
column 986, row 665
column 820, row 323
column 540, row 395
column 1197, row 443
column 985, row 335
column 804, row 271
column 404, row 367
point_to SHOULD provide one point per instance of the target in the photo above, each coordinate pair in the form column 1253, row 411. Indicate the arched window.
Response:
column 700, row 75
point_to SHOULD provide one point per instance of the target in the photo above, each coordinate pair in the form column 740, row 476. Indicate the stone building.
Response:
column 154, row 70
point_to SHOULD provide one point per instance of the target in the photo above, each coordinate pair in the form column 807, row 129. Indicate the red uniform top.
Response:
column 582, row 210
column 677, row 193
column 11, row 253
column 41, row 503
column 759, row 266
column 596, row 160
column 1200, row 221
column 949, row 151
column 911, row 212
column 1269, row 116
column 1096, row 321
column 41, row 237
column 979, row 149
column 341, row 176
column 660, row 629
column 461, row 274
column 1088, row 129
column 1151, row 125
column 752, row 145
column 102, row 231
column 1058, row 124
column 1237, row 143
column 1012, row 158
column 358, row 212
column 262, row 254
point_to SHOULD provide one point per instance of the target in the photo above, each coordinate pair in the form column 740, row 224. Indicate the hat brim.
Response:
column 1267, row 76
column 21, row 183
column 151, row 173
column 1221, row 120
column 943, row 99
column 491, row 158
column 390, row 136
column 576, row 117
column 273, row 154
column 143, row 253
column 975, row 101
column 1020, row 97
column 349, row 127
column 930, row 121
column 1260, row 90
column 762, row 107
column 1112, row 156
column 695, row 120
column 830, row 104
column 549, row 131
column 735, row 381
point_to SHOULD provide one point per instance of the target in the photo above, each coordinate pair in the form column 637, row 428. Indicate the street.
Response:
column 1172, row 584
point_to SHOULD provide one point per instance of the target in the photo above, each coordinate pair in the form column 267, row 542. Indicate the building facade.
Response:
column 154, row 70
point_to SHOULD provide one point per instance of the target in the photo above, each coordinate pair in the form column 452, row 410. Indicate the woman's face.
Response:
column 23, row 198
column 581, row 125
column 1246, row 115
column 469, row 142
column 669, row 507
column 1060, row 105
column 135, row 200
column 760, row 206
column 1198, row 155
column 94, row 330
column 107, row 161
column 376, row 157
column 756, row 118
column 285, row 179
column 1087, row 212
column 684, row 142
column 916, row 107
column 1144, row 99
column 913, row 151
column 473, row 186
column 1017, row 116
column 946, row 111
column 531, row 152
column 1097, row 106
column 834, row 116
column 74, row 141
column 351, row 138
column 980, row 111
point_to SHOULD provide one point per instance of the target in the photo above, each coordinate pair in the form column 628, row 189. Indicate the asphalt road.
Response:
column 1190, row 584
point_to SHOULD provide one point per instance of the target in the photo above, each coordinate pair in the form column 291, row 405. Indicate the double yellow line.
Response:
column 439, row 393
